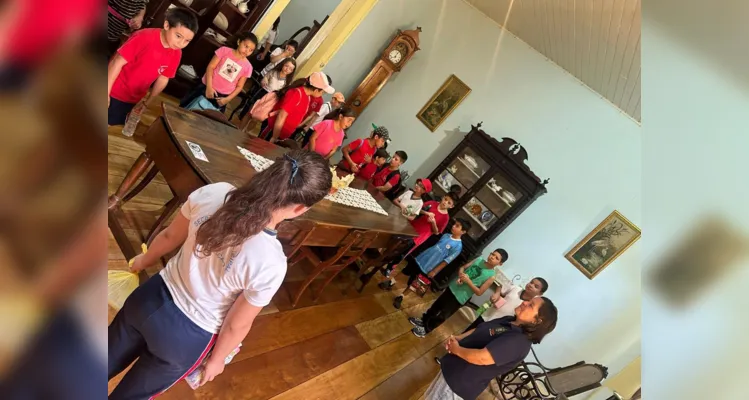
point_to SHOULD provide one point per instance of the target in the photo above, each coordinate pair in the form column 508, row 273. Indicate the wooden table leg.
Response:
column 139, row 167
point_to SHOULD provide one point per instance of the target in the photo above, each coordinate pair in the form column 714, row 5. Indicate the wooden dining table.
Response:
column 168, row 152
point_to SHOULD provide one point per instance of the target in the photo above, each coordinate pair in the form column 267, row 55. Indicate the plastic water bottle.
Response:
column 194, row 378
column 483, row 308
column 133, row 118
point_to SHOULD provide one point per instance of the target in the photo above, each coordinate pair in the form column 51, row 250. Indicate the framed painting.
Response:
column 443, row 103
column 603, row 245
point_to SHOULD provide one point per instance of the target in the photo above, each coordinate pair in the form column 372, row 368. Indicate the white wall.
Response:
column 301, row 13
column 589, row 150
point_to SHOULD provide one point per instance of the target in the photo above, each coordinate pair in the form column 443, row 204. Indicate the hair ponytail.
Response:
column 343, row 111
column 299, row 177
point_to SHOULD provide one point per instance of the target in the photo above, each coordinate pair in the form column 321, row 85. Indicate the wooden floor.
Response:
column 346, row 346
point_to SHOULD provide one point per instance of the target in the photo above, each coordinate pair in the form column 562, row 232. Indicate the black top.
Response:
column 507, row 345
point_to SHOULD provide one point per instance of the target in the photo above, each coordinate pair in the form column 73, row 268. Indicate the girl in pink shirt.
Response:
column 226, row 74
column 328, row 134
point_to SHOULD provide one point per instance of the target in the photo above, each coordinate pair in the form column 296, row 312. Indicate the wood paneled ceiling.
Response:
column 597, row 41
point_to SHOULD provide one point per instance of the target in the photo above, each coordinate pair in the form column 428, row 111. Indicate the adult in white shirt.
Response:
column 279, row 54
column 513, row 297
column 269, row 40
column 228, row 268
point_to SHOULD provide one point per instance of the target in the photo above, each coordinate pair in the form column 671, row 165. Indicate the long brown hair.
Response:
column 290, row 77
column 299, row 177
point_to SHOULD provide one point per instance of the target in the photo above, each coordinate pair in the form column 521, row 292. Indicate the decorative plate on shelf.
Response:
column 221, row 21
column 471, row 161
column 486, row 216
column 476, row 209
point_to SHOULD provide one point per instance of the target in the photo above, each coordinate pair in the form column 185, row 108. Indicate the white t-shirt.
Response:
column 271, row 82
column 325, row 109
column 412, row 206
column 272, row 64
column 270, row 36
column 512, row 301
column 205, row 288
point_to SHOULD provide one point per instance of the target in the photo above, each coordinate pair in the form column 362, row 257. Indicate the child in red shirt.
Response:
column 386, row 178
column 368, row 170
column 360, row 151
column 150, row 56
column 293, row 106
column 432, row 220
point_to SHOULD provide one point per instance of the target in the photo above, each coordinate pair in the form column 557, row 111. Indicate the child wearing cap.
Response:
column 368, row 170
column 360, row 151
column 293, row 105
column 410, row 202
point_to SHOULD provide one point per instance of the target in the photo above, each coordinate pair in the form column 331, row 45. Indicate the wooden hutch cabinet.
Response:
column 496, row 187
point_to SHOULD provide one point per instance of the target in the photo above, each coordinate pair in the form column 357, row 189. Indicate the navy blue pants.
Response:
column 151, row 329
column 118, row 111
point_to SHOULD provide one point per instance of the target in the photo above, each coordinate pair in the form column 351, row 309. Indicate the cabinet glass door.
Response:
column 464, row 171
column 489, row 204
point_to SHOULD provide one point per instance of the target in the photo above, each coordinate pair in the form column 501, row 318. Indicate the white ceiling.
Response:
column 597, row 41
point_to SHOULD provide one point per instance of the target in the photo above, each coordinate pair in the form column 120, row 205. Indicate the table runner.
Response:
column 348, row 196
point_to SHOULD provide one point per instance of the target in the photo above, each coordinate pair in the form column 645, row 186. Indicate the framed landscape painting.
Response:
column 444, row 102
column 603, row 245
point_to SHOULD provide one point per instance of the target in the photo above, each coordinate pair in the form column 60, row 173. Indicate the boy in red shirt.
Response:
column 432, row 220
column 368, row 170
column 388, row 177
column 360, row 151
column 150, row 56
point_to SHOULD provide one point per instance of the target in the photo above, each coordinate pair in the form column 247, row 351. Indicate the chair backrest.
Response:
column 305, row 229
column 352, row 247
column 576, row 379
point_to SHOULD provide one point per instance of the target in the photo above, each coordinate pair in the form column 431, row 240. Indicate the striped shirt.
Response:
column 128, row 9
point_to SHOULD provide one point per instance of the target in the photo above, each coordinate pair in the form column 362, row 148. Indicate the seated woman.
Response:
column 475, row 357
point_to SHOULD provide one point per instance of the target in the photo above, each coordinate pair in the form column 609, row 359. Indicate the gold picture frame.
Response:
column 443, row 103
column 603, row 244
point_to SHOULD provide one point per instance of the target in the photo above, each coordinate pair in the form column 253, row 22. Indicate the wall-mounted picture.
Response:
column 447, row 99
column 603, row 245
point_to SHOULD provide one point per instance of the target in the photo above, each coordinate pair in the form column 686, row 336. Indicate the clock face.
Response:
column 395, row 56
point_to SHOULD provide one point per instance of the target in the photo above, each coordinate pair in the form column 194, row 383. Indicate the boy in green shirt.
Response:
column 473, row 278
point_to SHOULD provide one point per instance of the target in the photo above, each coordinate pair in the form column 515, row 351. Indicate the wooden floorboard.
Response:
column 266, row 375
column 409, row 380
column 274, row 331
column 355, row 378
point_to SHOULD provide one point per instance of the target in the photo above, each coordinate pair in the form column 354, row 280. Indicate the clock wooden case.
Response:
column 396, row 55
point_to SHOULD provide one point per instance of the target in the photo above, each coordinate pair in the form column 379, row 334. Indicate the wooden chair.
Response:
column 350, row 250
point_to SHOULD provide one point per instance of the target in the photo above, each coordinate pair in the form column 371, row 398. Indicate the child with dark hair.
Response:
column 474, row 278
column 328, row 134
column 387, row 177
column 150, row 56
column 368, row 170
column 229, row 266
column 281, row 53
column 432, row 220
column 226, row 74
column 505, row 300
column 432, row 260
column 293, row 105
column 360, row 151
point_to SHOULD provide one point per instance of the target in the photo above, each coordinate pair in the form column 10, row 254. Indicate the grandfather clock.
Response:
column 395, row 56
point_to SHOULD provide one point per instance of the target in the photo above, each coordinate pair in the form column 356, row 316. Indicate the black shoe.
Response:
column 397, row 302
column 437, row 360
column 386, row 285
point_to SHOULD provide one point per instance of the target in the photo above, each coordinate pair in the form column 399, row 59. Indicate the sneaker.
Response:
column 416, row 321
column 397, row 302
column 419, row 331
column 437, row 360
column 386, row 285
column 387, row 272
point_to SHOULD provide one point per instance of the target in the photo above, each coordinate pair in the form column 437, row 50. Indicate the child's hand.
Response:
column 367, row 158
column 209, row 93
column 431, row 275
column 354, row 168
column 222, row 101
column 495, row 297
column 137, row 264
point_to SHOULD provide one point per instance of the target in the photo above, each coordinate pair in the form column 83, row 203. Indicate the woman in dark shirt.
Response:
column 493, row 348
